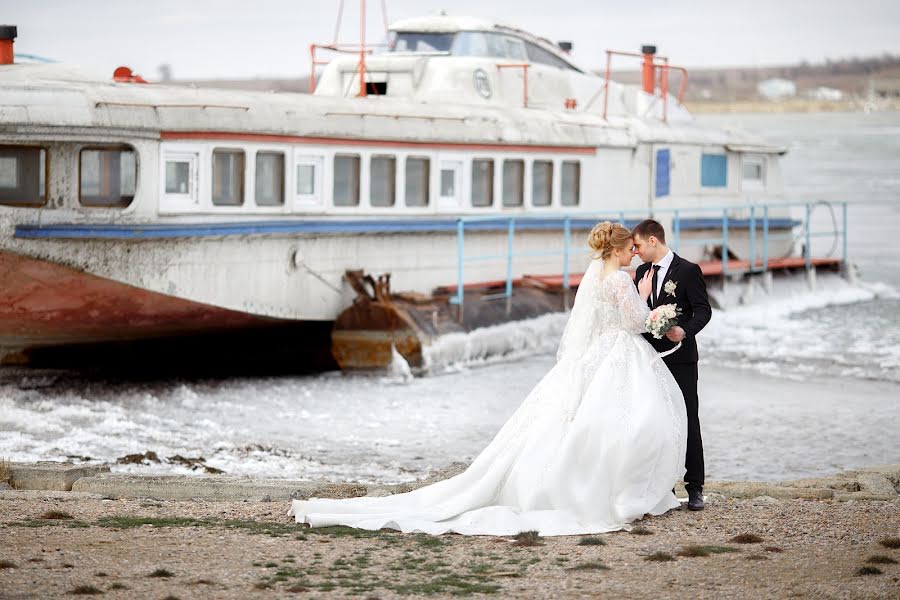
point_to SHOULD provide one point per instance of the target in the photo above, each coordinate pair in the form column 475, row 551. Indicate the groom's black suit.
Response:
column 690, row 296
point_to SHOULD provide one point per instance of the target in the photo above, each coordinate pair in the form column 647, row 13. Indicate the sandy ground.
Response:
column 809, row 549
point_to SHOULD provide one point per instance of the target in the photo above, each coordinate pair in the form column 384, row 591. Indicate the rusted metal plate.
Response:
column 43, row 303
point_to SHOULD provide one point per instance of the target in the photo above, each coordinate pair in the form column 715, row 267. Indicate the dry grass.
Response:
column 528, row 538
column 56, row 514
column 590, row 566
column 659, row 557
column 5, row 471
column 695, row 551
column 161, row 573
column 774, row 549
column 869, row 571
column 86, row 590
column 640, row 531
column 880, row 559
column 118, row 586
column 890, row 542
column 7, row 564
column 746, row 538
column 591, row 541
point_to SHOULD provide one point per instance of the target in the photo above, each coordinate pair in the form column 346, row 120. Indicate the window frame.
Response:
column 302, row 202
column 550, row 185
column 503, row 194
column 284, row 179
column 488, row 188
column 753, row 184
column 189, row 201
column 562, row 183
column 391, row 180
column 45, row 174
column 242, row 187
column 708, row 179
column 102, row 148
column 426, row 188
column 359, row 179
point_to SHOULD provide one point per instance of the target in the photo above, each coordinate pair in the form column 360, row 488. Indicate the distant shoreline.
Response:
column 793, row 105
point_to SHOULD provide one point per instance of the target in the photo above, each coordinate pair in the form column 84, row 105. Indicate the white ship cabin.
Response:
column 461, row 117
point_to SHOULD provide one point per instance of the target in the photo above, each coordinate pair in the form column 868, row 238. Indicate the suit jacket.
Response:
column 690, row 296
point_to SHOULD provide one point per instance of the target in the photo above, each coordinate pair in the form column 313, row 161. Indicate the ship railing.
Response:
column 757, row 219
column 652, row 63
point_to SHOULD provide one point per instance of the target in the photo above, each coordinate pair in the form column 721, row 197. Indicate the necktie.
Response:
column 656, row 269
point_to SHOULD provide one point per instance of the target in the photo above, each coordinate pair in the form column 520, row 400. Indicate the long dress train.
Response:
column 599, row 441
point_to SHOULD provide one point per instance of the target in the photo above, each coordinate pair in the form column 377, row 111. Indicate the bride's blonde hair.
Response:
column 606, row 236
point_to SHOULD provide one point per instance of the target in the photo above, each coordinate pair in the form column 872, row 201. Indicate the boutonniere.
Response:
column 670, row 286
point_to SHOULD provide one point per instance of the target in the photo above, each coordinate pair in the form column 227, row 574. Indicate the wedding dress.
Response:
column 599, row 442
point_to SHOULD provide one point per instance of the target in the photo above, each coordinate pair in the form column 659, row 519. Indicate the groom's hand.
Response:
column 676, row 334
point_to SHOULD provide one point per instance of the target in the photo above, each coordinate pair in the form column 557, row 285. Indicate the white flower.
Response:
column 670, row 286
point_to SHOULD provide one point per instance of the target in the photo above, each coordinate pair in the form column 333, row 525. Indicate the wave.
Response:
column 786, row 330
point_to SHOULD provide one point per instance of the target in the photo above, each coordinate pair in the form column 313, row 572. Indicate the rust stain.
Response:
column 43, row 303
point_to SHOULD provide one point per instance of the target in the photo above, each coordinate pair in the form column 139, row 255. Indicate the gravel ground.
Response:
column 809, row 549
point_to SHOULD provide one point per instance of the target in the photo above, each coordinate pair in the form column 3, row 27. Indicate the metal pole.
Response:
column 460, row 248
column 362, row 48
column 606, row 84
column 509, row 256
column 752, row 238
column 808, row 251
column 724, row 245
column 676, row 230
column 765, row 248
column 567, row 235
column 844, row 211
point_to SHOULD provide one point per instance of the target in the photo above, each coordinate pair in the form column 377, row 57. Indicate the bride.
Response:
column 599, row 441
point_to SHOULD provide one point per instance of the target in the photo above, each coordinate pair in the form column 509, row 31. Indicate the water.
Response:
column 800, row 385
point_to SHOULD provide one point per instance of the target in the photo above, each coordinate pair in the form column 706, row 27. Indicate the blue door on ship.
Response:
column 662, row 172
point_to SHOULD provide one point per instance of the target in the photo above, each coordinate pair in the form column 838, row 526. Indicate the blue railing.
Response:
column 679, row 225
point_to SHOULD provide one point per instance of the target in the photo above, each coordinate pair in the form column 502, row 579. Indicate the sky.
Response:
column 203, row 39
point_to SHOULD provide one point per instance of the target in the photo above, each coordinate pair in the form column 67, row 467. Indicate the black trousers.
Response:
column 686, row 376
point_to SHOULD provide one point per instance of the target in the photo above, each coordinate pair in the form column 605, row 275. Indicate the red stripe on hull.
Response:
column 43, row 303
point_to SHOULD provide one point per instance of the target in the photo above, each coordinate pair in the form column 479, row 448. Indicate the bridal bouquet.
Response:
column 661, row 319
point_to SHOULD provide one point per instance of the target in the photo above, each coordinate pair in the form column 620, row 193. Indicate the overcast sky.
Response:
column 266, row 38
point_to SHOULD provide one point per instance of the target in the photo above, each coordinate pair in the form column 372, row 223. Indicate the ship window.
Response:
column 382, row 180
column 346, row 180
column 227, row 177
column 496, row 45
column 714, row 170
column 541, row 183
column 754, row 171
column 107, row 177
column 23, row 176
column 448, row 183
column 309, row 181
column 536, row 54
column 482, row 182
column 571, row 183
column 269, row 179
column 306, row 180
column 178, row 176
column 417, row 176
column 513, row 182
column 410, row 41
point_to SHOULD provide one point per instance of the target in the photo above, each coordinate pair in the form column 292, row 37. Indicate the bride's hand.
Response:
column 645, row 285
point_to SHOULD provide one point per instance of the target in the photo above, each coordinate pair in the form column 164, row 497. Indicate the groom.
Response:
column 680, row 282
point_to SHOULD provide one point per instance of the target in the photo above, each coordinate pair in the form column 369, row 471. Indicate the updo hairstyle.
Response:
column 606, row 236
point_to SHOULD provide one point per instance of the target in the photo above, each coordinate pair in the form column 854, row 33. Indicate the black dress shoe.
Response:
column 695, row 499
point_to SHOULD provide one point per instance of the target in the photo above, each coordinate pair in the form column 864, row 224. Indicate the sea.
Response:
column 802, row 382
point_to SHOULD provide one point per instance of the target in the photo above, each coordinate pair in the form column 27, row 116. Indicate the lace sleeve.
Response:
column 633, row 310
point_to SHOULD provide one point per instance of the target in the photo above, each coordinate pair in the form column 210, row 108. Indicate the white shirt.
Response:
column 664, row 263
